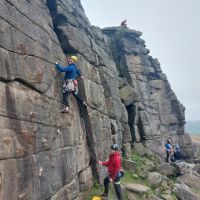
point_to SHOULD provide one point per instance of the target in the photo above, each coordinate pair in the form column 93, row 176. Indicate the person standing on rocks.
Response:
column 70, row 84
column 114, row 172
column 168, row 149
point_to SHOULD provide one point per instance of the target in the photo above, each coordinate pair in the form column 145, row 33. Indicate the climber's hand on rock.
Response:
column 100, row 163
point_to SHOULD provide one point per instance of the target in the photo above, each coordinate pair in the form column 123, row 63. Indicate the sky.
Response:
column 171, row 30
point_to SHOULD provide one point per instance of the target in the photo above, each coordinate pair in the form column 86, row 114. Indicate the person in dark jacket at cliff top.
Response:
column 70, row 84
column 114, row 171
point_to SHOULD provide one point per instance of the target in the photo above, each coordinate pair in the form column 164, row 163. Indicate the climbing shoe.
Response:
column 65, row 110
column 84, row 104
column 103, row 195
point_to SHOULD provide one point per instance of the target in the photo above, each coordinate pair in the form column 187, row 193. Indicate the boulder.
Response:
column 142, row 173
column 139, row 149
column 154, row 179
column 183, row 192
column 136, row 188
column 155, row 198
column 197, row 168
column 190, row 180
column 128, row 95
column 148, row 165
column 166, row 170
column 167, row 197
column 130, row 165
column 182, row 167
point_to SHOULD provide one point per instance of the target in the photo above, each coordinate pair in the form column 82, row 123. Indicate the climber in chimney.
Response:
column 114, row 171
column 124, row 24
column 70, row 84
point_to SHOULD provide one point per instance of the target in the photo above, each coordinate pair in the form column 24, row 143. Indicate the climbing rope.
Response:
column 92, row 154
column 88, row 140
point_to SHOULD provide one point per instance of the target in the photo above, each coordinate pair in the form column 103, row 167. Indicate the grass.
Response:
column 133, row 178
column 138, row 159
column 129, row 178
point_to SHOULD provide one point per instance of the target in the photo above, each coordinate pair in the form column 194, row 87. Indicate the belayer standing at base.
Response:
column 70, row 84
column 114, row 172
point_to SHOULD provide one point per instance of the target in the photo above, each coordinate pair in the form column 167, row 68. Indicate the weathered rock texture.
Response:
column 46, row 155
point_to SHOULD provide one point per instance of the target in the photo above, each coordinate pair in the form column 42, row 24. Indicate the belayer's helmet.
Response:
column 115, row 147
column 74, row 58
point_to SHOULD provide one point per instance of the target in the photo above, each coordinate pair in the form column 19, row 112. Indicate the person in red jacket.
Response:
column 114, row 174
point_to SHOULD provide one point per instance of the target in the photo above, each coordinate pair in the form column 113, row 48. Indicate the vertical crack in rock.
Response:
column 88, row 130
column 131, row 119
column 59, row 19
column 141, row 128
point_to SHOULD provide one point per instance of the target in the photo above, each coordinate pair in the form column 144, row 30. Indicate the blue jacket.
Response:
column 71, row 71
column 168, row 147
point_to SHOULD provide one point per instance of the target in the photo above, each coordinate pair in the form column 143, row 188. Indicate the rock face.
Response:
column 137, row 188
column 48, row 155
column 184, row 192
column 153, row 109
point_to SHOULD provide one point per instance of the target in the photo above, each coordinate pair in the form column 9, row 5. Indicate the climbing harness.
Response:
column 70, row 85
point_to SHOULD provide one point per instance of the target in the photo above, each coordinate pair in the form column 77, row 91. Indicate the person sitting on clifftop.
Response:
column 124, row 24
column 70, row 84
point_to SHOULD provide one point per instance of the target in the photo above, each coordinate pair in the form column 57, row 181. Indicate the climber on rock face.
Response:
column 114, row 172
column 70, row 84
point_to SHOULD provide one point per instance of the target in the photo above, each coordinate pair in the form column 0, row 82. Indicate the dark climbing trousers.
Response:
column 117, row 187
column 66, row 97
column 168, row 157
